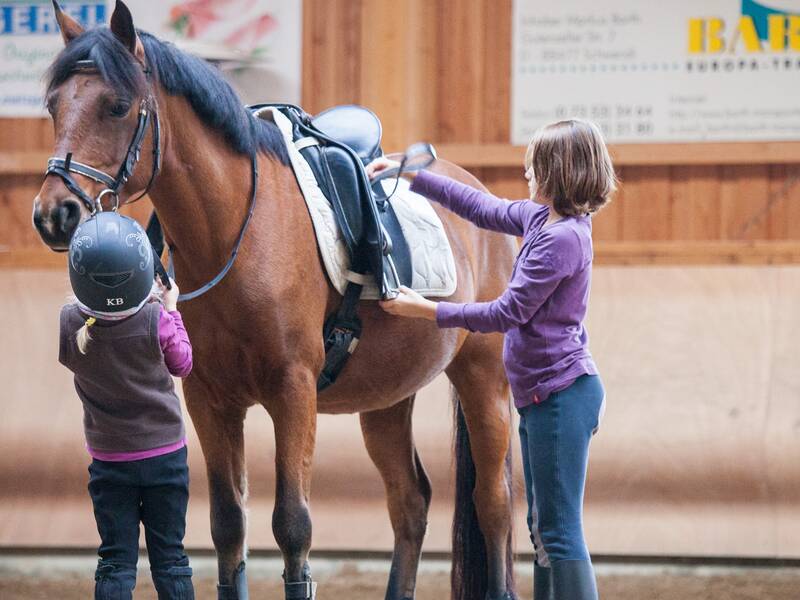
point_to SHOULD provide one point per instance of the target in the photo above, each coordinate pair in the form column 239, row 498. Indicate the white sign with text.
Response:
column 658, row 71
column 257, row 43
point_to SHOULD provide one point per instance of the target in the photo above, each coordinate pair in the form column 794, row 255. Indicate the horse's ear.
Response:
column 123, row 29
column 70, row 28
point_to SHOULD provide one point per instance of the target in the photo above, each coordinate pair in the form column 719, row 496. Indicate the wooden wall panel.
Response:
column 16, row 203
column 695, row 203
column 440, row 70
column 20, row 135
column 744, row 192
column 331, row 52
column 496, row 98
column 645, row 204
column 462, row 69
column 398, row 64
column 607, row 224
column 783, row 207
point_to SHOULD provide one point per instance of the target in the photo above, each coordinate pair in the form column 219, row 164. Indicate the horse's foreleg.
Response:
column 389, row 441
column 292, row 406
column 481, row 385
column 222, row 441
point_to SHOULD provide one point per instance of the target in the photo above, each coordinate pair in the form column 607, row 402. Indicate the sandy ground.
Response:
column 359, row 581
column 360, row 586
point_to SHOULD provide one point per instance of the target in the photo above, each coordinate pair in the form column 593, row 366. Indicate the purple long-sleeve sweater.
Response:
column 542, row 311
column 174, row 342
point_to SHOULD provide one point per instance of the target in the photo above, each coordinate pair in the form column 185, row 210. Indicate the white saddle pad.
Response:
column 434, row 269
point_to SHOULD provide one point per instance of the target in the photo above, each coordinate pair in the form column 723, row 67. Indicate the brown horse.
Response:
column 257, row 336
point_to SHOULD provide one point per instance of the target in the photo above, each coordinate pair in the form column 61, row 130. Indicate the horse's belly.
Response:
column 394, row 359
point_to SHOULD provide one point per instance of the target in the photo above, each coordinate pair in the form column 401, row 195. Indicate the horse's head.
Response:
column 99, row 98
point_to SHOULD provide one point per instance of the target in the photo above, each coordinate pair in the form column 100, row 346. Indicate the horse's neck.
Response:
column 203, row 191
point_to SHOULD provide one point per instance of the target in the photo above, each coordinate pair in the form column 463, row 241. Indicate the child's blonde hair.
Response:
column 83, row 336
column 571, row 167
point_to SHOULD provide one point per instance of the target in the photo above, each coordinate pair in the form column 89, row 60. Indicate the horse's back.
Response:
column 489, row 255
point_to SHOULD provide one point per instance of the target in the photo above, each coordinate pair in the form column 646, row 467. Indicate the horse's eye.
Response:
column 119, row 109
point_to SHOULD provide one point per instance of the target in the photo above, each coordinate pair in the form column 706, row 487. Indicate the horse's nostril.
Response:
column 69, row 214
column 37, row 218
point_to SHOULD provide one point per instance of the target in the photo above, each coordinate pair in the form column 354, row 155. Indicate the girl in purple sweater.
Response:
column 123, row 347
column 552, row 375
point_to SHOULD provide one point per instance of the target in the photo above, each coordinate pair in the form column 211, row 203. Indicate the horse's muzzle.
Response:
column 56, row 226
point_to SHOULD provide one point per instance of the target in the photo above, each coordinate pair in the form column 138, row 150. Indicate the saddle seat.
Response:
column 353, row 125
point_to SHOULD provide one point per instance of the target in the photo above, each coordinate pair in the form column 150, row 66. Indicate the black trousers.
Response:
column 154, row 492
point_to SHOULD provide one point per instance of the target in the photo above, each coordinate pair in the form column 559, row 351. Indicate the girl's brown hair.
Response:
column 571, row 167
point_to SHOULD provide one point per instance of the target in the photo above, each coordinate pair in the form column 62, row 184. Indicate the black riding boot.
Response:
column 574, row 580
column 542, row 583
column 238, row 589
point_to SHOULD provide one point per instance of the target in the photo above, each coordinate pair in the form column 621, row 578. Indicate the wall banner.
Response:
column 677, row 71
column 256, row 43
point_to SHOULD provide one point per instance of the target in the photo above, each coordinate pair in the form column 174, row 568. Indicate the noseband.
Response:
column 63, row 167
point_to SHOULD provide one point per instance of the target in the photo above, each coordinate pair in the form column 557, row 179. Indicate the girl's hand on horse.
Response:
column 410, row 304
column 169, row 296
column 379, row 165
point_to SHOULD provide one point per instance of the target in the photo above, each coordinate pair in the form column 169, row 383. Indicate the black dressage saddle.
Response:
column 337, row 144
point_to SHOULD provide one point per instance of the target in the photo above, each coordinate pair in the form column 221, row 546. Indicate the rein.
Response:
column 64, row 167
column 155, row 226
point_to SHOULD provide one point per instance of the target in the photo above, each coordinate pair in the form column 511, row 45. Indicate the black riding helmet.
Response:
column 111, row 264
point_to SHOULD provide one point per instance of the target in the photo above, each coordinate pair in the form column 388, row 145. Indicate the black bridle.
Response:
column 63, row 167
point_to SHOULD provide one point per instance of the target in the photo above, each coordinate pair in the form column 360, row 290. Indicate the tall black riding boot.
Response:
column 574, row 580
column 236, row 590
column 542, row 583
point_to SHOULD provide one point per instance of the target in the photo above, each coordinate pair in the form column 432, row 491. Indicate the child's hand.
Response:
column 410, row 304
column 169, row 296
column 381, row 164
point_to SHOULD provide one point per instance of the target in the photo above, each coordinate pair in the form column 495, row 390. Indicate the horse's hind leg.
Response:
column 222, row 441
column 481, row 386
column 389, row 441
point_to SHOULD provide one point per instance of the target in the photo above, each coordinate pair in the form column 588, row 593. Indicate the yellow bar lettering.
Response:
column 716, row 43
column 749, row 35
column 777, row 33
column 794, row 32
column 696, row 36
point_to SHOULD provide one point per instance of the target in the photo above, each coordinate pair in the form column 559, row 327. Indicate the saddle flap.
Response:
column 336, row 175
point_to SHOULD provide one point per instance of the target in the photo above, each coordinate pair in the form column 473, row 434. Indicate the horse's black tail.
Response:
column 469, row 576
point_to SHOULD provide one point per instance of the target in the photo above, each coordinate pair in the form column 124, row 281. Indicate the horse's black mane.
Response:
column 210, row 95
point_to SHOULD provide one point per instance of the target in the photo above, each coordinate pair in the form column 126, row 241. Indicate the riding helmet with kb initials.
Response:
column 111, row 264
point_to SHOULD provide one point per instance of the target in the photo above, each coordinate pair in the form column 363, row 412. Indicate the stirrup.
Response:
column 390, row 282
